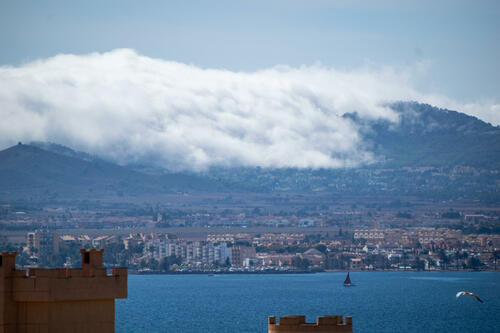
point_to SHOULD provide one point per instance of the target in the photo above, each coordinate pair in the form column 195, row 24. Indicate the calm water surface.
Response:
column 381, row 302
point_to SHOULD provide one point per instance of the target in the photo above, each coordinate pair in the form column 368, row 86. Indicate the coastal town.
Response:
column 349, row 240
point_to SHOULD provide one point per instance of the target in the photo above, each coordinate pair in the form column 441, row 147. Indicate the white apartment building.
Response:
column 205, row 253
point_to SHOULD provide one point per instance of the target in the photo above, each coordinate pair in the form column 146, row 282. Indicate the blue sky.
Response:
column 457, row 43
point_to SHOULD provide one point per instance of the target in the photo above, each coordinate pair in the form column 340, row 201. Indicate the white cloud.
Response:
column 129, row 107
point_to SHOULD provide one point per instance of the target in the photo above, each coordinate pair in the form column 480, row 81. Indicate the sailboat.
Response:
column 347, row 281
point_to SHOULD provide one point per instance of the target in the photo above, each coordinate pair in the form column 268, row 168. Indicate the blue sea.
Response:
column 380, row 302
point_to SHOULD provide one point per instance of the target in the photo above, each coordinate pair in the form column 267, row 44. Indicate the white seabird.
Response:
column 467, row 293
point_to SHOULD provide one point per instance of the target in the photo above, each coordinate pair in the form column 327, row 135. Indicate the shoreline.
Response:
column 304, row 272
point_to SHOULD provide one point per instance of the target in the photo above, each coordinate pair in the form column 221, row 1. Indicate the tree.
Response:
column 474, row 263
column 321, row 248
column 381, row 261
column 305, row 264
column 443, row 258
column 457, row 257
column 167, row 262
column 395, row 260
column 431, row 262
column 153, row 264
column 404, row 257
column 300, row 263
column 114, row 253
column 338, row 261
column 496, row 256
column 419, row 264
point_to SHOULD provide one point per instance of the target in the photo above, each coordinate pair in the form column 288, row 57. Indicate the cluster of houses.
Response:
column 418, row 248
column 359, row 249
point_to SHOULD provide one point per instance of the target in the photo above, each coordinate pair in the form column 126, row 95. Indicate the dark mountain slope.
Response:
column 429, row 136
column 29, row 170
column 25, row 167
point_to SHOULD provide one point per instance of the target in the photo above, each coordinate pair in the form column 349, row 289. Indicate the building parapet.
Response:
column 60, row 299
column 298, row 324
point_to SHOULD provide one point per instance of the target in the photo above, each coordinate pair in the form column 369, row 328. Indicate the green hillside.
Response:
column 428, row 136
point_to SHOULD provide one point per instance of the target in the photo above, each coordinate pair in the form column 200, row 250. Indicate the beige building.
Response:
column 42, row 243
column 369, row 234
column 61, row 299
column 298, row 324
column 240, row 253
column 315, row 257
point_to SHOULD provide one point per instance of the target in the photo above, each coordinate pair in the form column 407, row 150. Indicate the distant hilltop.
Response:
column 430, row 153
column 426, row 136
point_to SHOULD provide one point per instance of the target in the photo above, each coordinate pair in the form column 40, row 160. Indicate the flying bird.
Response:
column 467, row 293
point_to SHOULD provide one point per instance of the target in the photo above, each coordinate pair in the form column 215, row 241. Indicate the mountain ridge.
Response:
column 432, row 142
column 432, row 137
column 422, row 134
column 30, row 169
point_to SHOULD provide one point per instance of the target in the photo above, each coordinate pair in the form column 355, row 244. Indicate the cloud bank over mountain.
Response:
column 131, row 108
